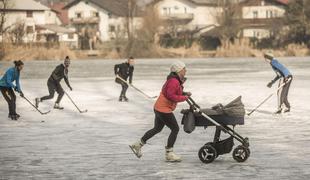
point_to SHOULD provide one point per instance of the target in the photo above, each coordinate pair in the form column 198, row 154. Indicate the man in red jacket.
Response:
column 171, row 94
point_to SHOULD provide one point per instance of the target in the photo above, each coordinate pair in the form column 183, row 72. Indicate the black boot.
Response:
column 126, row 99
column 120, row 98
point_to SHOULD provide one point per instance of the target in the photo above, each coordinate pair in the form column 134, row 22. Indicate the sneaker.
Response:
column 171, row 156
column 120, row 98
column 37, row 101
column 125, row 99
column 57, row 106
column 278, row 111
column 287, row 110
column 136, row 148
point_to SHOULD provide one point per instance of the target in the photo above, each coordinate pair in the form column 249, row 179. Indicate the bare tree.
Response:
column 228, row 18
column 18, row 32
column 4, row 5
column 132, row 8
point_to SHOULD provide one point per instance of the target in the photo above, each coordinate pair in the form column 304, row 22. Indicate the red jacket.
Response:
column 171, row 94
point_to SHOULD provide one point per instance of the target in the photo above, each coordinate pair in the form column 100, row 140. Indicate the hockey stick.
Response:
column 268, row 97
column 140, row 91
column 42, row 113
column 81, row 111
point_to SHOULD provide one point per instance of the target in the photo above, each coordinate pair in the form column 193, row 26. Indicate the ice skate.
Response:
column 171, row 156
column 37, row 101
column 136, row 148
column 57, row 106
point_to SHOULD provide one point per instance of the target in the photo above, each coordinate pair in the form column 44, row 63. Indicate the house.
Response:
column 62, row 13
column 32, row 18
column 188, row 15
column 260, row 18
column 101, row 20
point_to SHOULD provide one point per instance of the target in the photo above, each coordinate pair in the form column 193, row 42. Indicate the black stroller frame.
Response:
column 211, row 150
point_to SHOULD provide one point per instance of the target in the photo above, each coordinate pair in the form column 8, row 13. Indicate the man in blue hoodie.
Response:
column 7, row 86
column 285, row 76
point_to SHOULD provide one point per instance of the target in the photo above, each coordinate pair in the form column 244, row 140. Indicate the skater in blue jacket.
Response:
column 285, row 76
column 7, row 86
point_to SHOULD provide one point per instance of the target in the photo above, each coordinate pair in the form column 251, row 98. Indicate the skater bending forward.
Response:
column 171, row 94
column 53, row 84
column 285, row 77
column 7, row 86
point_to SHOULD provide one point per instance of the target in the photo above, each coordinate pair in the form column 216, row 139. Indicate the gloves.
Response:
column 187, row 93
column 16, row 89
column 21, row 94
column 269, row 84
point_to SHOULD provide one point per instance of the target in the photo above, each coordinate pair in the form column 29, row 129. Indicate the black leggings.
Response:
column 10, row 98
column 124, row 87
column 52, row 87
column 162, row 119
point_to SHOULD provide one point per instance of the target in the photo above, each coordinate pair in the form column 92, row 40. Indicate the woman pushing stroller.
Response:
column 171, row 94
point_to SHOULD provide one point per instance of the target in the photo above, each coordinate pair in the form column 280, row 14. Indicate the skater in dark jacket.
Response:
column 124, row 71
column 285, row 76
column 53, row 83
column 7, row 86
column 171, row 94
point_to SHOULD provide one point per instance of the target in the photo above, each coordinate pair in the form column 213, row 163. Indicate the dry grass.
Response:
column 37, row 52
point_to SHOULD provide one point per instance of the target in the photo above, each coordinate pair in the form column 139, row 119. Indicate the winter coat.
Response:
column 60, row 72
column 124, row 70
column 171, row 94
column 280, row 70
column 11, row 75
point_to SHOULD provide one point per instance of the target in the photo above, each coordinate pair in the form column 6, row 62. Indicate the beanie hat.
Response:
column 268, row 55
column 177, row 66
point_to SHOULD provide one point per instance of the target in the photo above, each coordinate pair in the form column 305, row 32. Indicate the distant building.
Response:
column 100, row 20
column 260, row 16
column 188, row 14
column 40, row 23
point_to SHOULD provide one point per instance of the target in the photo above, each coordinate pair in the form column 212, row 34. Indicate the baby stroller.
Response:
column 219, row 116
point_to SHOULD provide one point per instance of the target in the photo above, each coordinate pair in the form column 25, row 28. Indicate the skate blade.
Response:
column 173, row 161
column 134, row 152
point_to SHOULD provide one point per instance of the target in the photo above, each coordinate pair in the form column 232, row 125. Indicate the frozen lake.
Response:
column 68, row 145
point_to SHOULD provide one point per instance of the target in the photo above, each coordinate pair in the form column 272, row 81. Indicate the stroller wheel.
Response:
column 207, row 153
column 241, row 153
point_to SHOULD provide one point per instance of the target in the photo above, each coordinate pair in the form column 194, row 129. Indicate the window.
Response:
column 165, row 12
column 29, row 14
column 70, row 36
column 111, row 28
column 255, row 14
column 29, row 29
column 269, row 14
column 95, row 14
column 256, row 34
column 78, row 14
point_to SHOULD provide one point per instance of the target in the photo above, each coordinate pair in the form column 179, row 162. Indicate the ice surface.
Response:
column 69, row 145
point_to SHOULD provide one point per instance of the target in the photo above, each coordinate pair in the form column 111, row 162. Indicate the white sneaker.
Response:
column 171, row 156
column 136, row 148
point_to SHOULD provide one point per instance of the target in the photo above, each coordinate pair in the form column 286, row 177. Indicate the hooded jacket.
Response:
column 171, row 94
column 11, row 75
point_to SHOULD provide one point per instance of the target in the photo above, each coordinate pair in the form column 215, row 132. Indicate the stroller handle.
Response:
column 192, row 103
